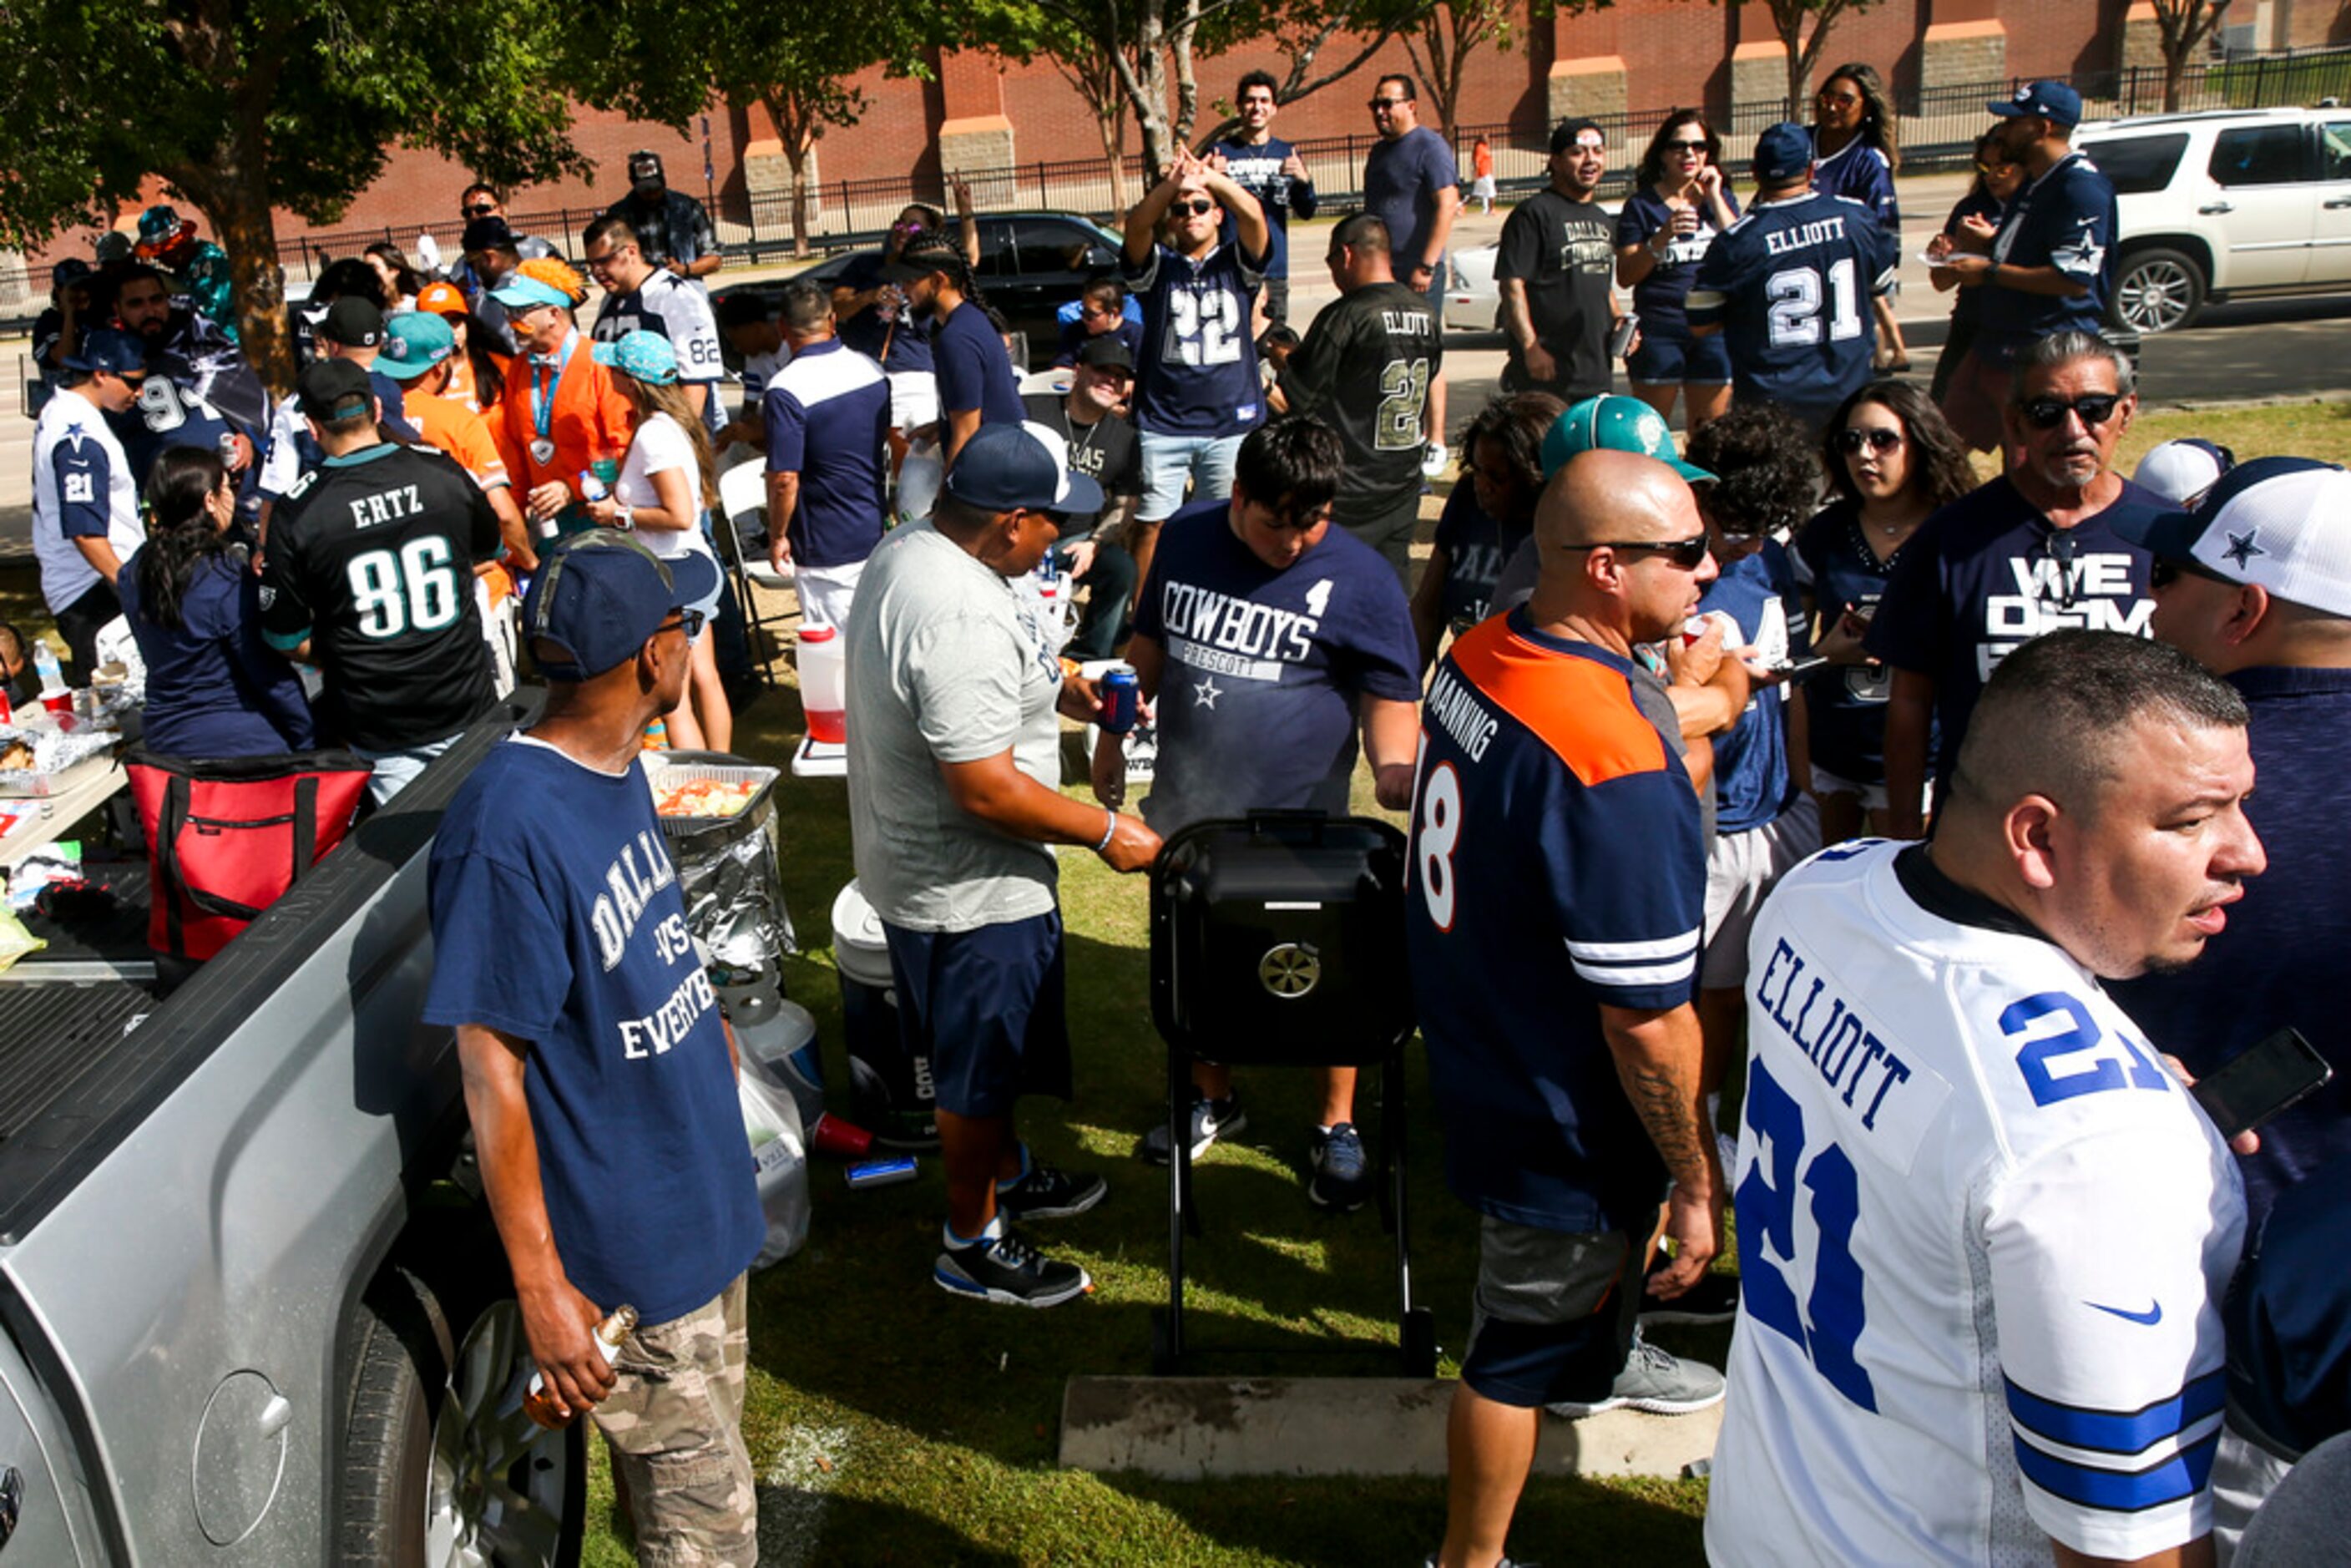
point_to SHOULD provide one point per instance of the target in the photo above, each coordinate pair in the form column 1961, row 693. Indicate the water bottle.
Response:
column 45, row 663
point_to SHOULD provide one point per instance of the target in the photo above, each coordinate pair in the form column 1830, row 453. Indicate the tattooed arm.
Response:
column 1657, row 1060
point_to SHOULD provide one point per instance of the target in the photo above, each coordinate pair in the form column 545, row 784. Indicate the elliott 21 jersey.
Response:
column 1983, row 1237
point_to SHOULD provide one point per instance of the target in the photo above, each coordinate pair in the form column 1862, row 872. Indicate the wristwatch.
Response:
column 624, row 517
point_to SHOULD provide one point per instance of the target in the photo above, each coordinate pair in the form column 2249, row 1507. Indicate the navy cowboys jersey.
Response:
column 1790, row 285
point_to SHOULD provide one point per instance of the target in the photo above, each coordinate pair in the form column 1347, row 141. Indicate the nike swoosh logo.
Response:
column 2152, row 1316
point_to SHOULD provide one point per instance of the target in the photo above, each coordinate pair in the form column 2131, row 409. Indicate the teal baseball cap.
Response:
column 413, row 343
column 1620, row 425
column 522, row 292
column 648, row 356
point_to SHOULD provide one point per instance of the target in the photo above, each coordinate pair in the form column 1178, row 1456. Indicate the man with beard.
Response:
column 2044, row 547
column 199, row 390
column 1557, row 273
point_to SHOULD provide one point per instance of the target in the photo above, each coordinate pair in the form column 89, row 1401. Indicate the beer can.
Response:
column 1122, row 699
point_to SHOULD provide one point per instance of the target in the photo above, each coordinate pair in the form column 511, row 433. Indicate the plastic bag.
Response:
column 771, row 1120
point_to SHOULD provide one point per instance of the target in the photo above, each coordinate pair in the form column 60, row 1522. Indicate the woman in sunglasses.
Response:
column 1664, row 229
column 659, row 496
column 1892, row 461
column 1856, row 151
column 1971, row 228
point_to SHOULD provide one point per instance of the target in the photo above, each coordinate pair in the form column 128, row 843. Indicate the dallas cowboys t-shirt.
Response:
column 1262, row 692
column 1989, row 573
column 1845, row 705
column 1476, row 546
column 1658, row 297
column 2066, row 219
column 575, row 941
column 1255, row 167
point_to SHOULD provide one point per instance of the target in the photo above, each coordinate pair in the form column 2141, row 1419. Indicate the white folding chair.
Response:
column 743, row 501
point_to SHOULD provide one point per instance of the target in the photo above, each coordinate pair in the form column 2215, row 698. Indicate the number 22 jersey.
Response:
column 1983, row 1237
column 371, row 559
column 1196, row 375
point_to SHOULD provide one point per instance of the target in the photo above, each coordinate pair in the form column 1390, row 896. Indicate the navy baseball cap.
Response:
column 2052, row 100
column 1004, row 466
column 1782, row 154
column 598, row 595
column 1106, row 351
column 107, row 352
column 2283, row 523
column 333, row 388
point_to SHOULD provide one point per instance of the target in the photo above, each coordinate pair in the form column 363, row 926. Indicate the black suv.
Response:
column 1031, row 265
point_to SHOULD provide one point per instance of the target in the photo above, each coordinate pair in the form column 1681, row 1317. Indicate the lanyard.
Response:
column 542, row 387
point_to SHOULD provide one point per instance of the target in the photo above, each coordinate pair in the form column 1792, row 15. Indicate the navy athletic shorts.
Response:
column 1553, row 1313
column 988, row 1007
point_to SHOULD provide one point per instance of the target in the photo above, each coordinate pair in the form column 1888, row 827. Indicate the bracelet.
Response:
column 1110, row 828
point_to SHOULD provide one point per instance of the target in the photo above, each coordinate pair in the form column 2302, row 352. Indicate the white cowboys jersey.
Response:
column 1983, row 1237
column 668, row 306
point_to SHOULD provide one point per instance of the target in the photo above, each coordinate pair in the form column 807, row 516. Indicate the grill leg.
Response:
column 1179, row 1199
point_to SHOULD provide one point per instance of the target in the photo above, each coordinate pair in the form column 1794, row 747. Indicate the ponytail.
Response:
column 181, row 534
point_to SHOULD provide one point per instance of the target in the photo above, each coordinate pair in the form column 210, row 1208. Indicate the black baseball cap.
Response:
column 1108, row 352
column 645, row 167
column 1565, row 134
column 353, row 322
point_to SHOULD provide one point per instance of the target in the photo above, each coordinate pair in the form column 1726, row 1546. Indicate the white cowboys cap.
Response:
column 2279, row 523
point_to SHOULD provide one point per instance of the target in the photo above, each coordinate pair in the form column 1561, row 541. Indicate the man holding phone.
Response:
column 1983, row 1234
column 2254, row 583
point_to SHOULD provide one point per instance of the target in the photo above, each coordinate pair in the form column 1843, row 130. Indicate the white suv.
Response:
column 2225, row 203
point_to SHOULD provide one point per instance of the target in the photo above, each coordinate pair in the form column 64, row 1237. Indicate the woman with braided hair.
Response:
column 976, row 382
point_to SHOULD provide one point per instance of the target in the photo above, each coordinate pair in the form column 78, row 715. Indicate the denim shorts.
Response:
column 1677, row 358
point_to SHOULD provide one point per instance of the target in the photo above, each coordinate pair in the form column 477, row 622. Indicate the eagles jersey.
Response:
column 370, row 561
column 669, row 307
column 1266, row 670
column 1197, row 373
column 1556, row 868
column 1790, row 285
column 1365, row 368
column 1983, row 1237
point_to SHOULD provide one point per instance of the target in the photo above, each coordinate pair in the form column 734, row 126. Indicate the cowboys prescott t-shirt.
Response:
column 1261, row 691
column 1790, row 285
column 1197, row 375
column 1565, row 252
column 1658, row 297
column 1989, row 573
column 1751, row 782
column 575, row 942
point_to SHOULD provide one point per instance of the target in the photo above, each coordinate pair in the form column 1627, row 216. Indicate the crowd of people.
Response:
column 1672, row 723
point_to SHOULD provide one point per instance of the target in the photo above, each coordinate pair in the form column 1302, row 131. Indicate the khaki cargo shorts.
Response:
column 674, row 1424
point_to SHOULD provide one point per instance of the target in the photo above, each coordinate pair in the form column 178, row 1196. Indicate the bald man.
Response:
column 1558, row 891
column 1983, row 1235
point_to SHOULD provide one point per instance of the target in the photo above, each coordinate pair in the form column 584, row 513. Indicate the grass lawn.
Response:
column 893, row 1424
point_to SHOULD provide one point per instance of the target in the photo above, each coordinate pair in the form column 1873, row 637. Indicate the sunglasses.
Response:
column 688, row 621
column 2167, row 569
column 598, row 263
column 1194, row 207
column 2049, row 412
column 480, row 210
column 1853, row 439
column 1684, row 553
column 1378, row 104
column 1839, row 98
column 1690, row 147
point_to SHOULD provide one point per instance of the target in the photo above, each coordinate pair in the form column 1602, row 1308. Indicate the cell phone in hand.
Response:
column 1801, row 668
column 2261, row 1081
column 1620, row 336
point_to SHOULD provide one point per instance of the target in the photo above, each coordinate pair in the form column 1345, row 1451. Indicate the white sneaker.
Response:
column 1434, row 461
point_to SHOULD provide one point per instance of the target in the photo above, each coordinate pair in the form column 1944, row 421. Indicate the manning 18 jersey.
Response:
column 1789, row 284
column 1983, row 1237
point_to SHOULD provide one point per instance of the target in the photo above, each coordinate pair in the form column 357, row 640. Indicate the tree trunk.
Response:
column 237, row 204
column 796, row 152
column 1110, row 122
column 1796, row 72
column 2174, row 67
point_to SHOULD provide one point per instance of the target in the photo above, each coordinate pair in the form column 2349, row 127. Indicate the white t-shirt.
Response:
column 82, row 487
column 661, row 445
column 1983, row 1240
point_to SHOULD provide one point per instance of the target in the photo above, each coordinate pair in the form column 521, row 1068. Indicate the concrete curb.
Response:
column 1191, row 1429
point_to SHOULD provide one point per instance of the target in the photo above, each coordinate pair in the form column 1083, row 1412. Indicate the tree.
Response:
column 2183, row 27
column 245, row 106
column 1788, row 18
column 1087, row 64
column 1441, row 42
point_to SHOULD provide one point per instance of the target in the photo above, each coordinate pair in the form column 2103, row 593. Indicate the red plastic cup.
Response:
column 840, row 1140
column 60, row 703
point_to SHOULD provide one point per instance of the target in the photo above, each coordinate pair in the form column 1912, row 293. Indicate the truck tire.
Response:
column 2156, row 289
column 440, row 1465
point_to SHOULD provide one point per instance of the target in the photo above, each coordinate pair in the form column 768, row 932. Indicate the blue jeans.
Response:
column 1170, row 460
column 396, row 770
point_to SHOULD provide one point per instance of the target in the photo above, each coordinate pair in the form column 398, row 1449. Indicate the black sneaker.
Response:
column 1010, row 1272
column 1211, row 1120
column 1342, row 1179
column 1713, row 1300
column 1047, row 1192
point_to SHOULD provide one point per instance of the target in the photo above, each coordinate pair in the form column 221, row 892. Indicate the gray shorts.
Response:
column 1553, row 1314
column 1741, row 870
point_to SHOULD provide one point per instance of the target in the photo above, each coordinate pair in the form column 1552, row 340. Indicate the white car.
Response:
column 2223, row 203
column 1472, row 302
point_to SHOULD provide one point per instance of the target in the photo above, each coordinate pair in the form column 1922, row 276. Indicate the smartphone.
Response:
column 1620, row 336
column 1802, row 667
column 2258, row 1083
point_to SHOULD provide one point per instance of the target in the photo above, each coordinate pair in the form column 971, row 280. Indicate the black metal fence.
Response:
column 1939, row 126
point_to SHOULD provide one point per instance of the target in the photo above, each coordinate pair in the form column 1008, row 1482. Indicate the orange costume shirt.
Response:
column 591, row 419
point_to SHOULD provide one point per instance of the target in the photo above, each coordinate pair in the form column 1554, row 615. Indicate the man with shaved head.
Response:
column 1984, row 1235
column 1558, row 882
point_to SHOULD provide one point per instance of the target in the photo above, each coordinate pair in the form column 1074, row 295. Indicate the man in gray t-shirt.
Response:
column 954, row 756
